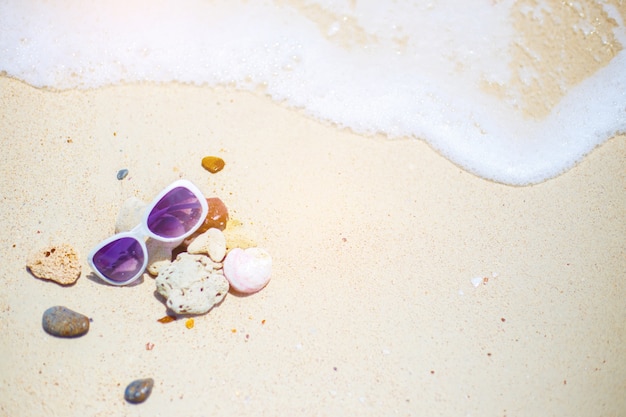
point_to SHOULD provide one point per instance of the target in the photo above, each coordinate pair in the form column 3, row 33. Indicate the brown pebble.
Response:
column 62, row 322
column 213, row 164
column 217, row 217
column 166, row 319
column 55, row 263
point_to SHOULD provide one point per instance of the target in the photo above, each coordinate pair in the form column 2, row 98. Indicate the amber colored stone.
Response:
column 213, row 164
column 217, row 216
column 166, row 319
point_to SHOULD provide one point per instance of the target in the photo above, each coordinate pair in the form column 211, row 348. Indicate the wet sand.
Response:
column 370, row 310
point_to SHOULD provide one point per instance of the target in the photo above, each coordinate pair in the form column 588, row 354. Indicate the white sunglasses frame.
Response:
column 141, row 232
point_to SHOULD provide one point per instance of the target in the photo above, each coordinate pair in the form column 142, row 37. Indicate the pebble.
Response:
column 139, row 390
column 121, row 174
column 212, row 242
column 217, row 216
column 55, row 263
column 62, row 322
column 213, row 164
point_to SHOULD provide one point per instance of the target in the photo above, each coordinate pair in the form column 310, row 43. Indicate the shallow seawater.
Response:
column 513, row 91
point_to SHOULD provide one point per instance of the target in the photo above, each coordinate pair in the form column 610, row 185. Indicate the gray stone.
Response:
column 139, row 390
column 62, row 322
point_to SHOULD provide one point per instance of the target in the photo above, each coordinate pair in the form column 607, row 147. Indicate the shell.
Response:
column 249, row 270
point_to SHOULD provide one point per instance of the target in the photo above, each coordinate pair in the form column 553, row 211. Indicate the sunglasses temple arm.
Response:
column 138, row 230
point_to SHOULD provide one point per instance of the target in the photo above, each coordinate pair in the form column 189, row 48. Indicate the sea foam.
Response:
column 513, row 91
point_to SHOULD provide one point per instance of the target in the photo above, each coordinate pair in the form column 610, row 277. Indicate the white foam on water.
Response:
column 405, row 69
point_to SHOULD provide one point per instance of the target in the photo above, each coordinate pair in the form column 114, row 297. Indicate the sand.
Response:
column 370, row 310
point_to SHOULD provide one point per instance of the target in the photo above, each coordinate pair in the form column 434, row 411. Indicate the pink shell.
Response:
column 248, row 271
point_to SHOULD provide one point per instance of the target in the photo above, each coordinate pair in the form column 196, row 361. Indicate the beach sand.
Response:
column 370, row 310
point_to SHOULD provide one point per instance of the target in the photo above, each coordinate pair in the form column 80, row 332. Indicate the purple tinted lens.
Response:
column 120, row 260
column 175, row 214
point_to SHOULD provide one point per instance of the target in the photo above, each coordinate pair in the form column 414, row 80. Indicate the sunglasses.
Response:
column 174, row 214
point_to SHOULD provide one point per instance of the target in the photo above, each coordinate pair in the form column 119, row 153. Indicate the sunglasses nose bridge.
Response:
column 140, row 232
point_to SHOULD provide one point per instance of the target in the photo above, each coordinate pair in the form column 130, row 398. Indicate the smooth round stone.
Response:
column 213, row 164
column 122, row 173
column 216, row 217
column 62, row 322
column 139, row 390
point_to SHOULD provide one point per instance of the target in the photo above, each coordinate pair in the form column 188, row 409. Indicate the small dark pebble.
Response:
column 139, row 390
column 62, row 322
column 121, row 174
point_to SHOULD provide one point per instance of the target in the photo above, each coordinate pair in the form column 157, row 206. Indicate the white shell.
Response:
column 248, row 270
column 190, row 284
